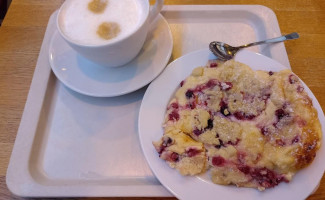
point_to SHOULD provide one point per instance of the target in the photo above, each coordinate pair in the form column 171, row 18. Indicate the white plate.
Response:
column 85, row 77
column 151, row 116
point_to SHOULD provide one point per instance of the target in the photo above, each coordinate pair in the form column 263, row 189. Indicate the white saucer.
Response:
column 85, row 77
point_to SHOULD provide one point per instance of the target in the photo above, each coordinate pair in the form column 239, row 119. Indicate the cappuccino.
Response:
column 97, row 22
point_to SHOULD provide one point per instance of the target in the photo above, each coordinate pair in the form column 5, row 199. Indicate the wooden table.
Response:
column 22, row 32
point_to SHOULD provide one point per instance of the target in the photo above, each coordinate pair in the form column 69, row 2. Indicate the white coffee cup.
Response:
column 116, row 52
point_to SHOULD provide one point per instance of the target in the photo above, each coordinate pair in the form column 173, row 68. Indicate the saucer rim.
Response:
column 116, row 93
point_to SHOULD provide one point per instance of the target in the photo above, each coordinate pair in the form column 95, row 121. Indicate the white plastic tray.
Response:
column 69, row 144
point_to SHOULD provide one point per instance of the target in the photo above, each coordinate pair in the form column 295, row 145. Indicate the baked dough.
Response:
column 247, row 128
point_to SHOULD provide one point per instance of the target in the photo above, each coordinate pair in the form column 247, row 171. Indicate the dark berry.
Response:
column 205, row 103
column 300, row 89
column 250, row 116
column 174, row 157
column 310, row 147
column 295, row 140
column 197, row 132
column 210, row 124
column 212, row 65
column 189, row 94
column 218, row 161
column 182, row 83
column 243, row 116
column 265, row 131
column 173, row 115
column 174, row 105
column 224, row 108
column 218, row 146
column 244, row 168
column 266, row 177
column 192, row 105
column 233, row 143
column 292, row 79
column 211, row 83
column 280, row 113
column 167, row 141
column 161, row 149
column 192, row 152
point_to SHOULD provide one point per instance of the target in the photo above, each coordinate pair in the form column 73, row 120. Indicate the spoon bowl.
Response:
column 226, row 52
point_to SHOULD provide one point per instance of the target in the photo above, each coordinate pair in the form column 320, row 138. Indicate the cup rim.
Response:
column 67, row 38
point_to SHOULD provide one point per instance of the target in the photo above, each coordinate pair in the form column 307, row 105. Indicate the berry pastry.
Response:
column 247, row 128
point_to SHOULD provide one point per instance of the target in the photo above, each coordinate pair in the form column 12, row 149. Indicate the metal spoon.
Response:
column 226, row 52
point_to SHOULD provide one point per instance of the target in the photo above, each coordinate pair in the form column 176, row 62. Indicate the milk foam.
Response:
column 80, row 24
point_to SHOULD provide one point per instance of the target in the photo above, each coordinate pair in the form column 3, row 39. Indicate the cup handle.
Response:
column 155, row 10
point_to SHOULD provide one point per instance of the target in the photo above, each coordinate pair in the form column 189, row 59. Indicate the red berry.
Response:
column 212, row 65
column 173, row 115
column 192, row 152
column 218, row 161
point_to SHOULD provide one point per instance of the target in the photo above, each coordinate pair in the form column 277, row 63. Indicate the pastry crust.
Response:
column 250, row 128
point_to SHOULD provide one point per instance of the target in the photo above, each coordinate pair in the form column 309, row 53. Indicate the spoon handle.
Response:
column 290, row 36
